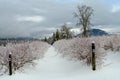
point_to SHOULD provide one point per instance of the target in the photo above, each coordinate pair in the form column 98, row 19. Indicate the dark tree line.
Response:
column 63, row 33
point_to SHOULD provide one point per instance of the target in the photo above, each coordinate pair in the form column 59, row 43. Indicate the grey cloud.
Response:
column 55, row 12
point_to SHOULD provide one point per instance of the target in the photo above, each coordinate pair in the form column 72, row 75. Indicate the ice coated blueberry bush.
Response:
column 113, row 43
column 80, row 48
column 75, row 49
column 22, row 53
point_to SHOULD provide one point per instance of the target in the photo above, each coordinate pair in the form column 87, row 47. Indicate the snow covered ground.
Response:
column 54, row 67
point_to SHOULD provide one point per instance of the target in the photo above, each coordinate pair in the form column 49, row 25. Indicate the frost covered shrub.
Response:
column 22, row 53
column 109, row 42
column 116, row 42
column 80, row 49
column 63, row 46
column 113, row 43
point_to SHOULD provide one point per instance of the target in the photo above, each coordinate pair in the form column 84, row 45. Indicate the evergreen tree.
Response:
column 45, row 39
column 57, row 35
column 54, row 37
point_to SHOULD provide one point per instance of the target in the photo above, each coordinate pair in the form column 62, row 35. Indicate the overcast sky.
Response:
column 24, row 18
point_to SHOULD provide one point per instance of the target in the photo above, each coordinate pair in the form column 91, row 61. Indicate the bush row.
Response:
column 22, row 53
column 80, row 48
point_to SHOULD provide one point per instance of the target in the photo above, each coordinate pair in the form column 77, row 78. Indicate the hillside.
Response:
column 95, row 32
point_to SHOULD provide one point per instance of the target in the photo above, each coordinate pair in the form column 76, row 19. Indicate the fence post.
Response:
column 93, row 56
column 10, row 63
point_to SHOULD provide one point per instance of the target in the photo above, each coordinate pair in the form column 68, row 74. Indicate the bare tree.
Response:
column 83, row 15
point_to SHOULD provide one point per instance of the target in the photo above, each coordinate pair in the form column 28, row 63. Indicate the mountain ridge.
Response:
column 94, row 32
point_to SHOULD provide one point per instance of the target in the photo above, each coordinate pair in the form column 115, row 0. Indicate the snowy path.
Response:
column 54, row 67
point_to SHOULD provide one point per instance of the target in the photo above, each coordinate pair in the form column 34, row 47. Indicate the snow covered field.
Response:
column 55, row 67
